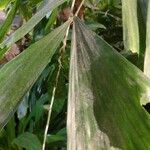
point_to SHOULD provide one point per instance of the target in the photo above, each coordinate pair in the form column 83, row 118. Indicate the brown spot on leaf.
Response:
column 2, row 17
column 14, row 51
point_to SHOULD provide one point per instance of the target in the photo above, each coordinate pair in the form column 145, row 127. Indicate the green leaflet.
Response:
column 34, row 2
column 51, row 21
column 142, row 16
column 130, row 25
column 134, row 14
column 22, row 31
column 17, row 76
column 4, row 3
column 6, row 25
column 105, row 90
column 28, row 141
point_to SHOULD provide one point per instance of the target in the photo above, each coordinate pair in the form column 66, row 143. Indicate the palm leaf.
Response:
column 19, row 75
column 105, row 92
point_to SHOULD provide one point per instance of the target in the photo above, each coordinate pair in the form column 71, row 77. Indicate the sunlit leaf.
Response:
column 17, row 76
column 105, row 91
column 130, row 25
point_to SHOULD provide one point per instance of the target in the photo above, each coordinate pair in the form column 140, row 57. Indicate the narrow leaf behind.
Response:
column 22, row 31
column 6, row 25
column 130, row 25
column 142, row 17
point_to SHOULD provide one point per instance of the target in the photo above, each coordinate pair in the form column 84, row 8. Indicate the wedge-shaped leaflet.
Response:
column 105, row 90
column 17, row 76
column 21, row 32
column 130, row 25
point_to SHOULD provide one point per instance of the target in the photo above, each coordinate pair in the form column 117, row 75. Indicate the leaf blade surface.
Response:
column 105, row 90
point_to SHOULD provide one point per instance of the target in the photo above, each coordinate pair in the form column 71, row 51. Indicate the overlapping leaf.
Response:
column 105, row 91
column 18, row 75
column 6, row 25
column 142, row 17
column 21, row 32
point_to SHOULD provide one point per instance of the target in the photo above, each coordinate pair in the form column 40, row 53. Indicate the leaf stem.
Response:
column 79, row 7
column 62, row 51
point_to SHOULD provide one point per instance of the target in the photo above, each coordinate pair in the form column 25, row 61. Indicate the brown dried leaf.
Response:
column 64, row 14
column 14, row 51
